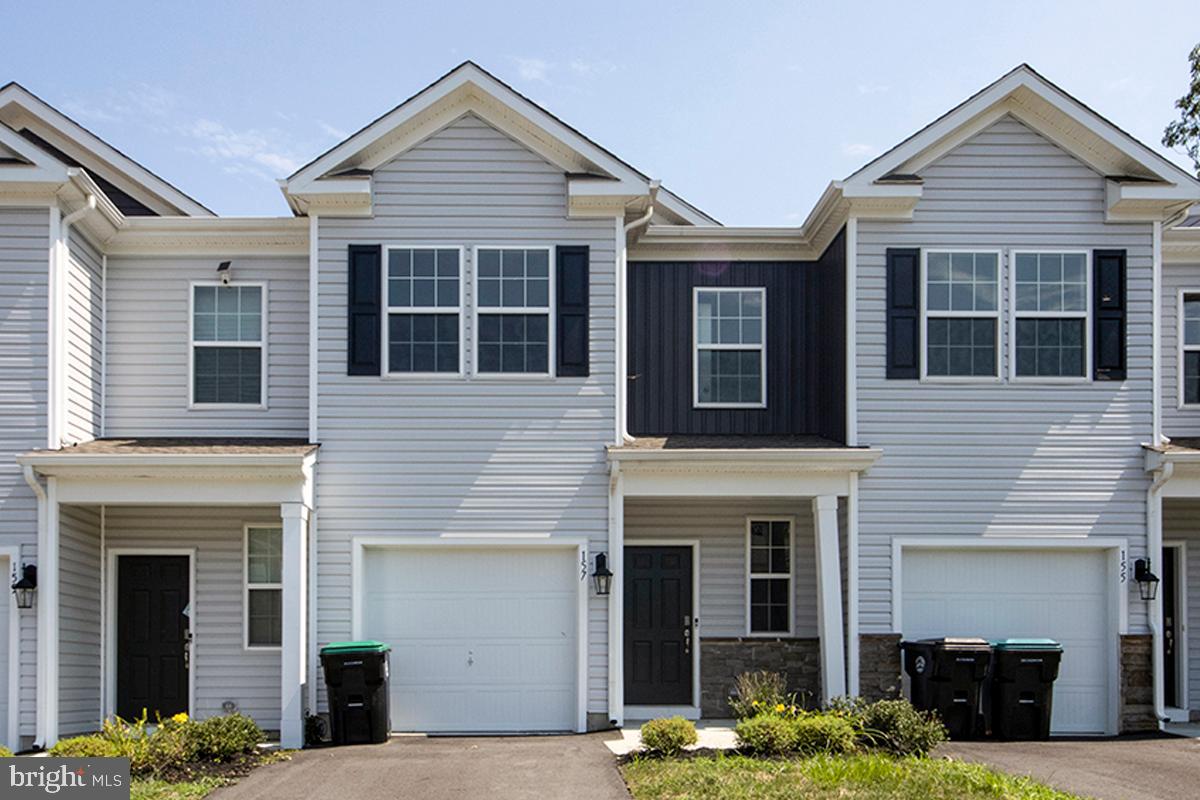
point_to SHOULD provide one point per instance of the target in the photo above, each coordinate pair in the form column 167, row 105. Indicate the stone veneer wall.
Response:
column 879, row 666
column 722, row 660
column 1137, row 684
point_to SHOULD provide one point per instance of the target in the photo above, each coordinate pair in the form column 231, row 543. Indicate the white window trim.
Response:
column 1180, row 348
column 389, row 309
column 1013, row 314
column 550, row 311
column 791, row 575
column 696, row 346
column 925, row 316
column 247, row 586
column 192, row 405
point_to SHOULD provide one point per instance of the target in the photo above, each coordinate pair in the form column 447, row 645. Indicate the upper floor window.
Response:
column 424, row 310
column 228, row 324
column 264, row 586
column 769, row 576
column 1050, row 314
column 512, row 310
column 962, row 315
column 730, row 352
column 1189, row 349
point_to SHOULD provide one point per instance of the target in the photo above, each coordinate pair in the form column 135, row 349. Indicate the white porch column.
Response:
column 295, row 624
column 46, row 732
column 829, row 598
column 616, row 599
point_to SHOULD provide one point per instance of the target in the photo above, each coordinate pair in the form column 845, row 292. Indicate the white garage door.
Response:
column 1055, row 594
column 483, row 639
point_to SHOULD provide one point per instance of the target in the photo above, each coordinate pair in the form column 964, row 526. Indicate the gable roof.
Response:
column 344, row 170
column 131, row 186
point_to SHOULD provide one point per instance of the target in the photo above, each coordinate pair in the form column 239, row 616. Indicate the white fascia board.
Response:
column 814, row 459
column 43, row 168
column 1181, row 246
column 686, row 212
column 196, row 236
column 589, row 186
column 54, row 119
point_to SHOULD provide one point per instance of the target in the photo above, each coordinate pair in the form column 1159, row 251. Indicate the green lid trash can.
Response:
column 356, row 677
column 1021, row 687
column 946, row 676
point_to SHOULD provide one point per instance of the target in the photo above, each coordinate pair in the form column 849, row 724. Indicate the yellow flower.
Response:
column 180, row 717
column 779, row 708
column 755, row 703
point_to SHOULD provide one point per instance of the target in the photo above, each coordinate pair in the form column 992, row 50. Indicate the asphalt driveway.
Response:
column 1126, row 768
column 443, row 768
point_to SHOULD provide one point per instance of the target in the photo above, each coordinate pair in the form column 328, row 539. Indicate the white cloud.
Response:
column 582, row 66
column 872, row 88
column 533, row 69
column 331, row 131
column 859, row 150
column 245, row 150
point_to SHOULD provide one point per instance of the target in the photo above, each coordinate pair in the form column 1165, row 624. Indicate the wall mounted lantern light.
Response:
column 602, row 576
column 24, row 588
column 1147, row 581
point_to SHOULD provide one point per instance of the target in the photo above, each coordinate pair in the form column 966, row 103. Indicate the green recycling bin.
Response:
column 356, row 677
column 1021, row 687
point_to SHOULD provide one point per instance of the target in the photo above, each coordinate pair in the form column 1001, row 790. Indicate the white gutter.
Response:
column 623, row 313
column 1154, row 546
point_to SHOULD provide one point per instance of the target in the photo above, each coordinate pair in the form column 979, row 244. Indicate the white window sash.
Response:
column 1085, row 314
column 752, row 576
column 1183, row 347
column 697, row 346
column 261, row 344
column 248, row 586
column 927, row 314
column 547, row 311
column 390, row 309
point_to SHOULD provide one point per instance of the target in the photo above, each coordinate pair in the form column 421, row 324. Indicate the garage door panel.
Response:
column 995, row 594
column 484, row 639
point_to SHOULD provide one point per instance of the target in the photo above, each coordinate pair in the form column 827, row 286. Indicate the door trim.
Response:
column 694, row 544
column 1180, row 713
column 360, row 544
column 1115, row 548
column 110, row 619
column 12, row 732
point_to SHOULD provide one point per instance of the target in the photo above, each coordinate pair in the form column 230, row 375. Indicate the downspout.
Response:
column 623, row 313
column 1156, row 430
column 58, row 321
column 39, row 715
column 1154, row 545
column 103, row 344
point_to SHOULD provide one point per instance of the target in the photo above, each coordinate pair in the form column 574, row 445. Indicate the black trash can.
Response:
column 356, row 675
column 1021, row 687
column 946, row 676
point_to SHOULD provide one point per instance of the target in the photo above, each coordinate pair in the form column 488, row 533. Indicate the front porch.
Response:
column 751, row 543
column 172, row 577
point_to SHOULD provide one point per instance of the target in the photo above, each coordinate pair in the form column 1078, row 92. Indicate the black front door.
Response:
column 1171, row 638
column 152, row 636
column 658, row 626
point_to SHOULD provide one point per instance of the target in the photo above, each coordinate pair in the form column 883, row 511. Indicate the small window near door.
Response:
column 1189, row 350
column 264, row 586
column 769, row 552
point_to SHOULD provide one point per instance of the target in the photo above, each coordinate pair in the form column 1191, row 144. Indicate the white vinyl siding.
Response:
column 79, row 620
column 720, row 527
column 223, row 668
column 148, row 345
column 1012, row 459
column 442, row 455
column 84, row 339
column 24, row 263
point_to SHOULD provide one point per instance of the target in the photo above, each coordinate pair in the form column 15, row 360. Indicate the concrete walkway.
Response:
column 443, row 768
column 1125, row 768
column 716, row 734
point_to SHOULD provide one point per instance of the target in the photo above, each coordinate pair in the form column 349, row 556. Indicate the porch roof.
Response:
column 174, row 449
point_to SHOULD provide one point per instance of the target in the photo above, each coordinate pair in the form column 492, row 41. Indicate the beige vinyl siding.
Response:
column 24, row 263
column 1001, row 459
column 83, row 341
column 1181, row 521
column 148, row 341
column 1176, row 421
column 720, row 527
column 407, row 456
column 223, row 669
column 79, row 620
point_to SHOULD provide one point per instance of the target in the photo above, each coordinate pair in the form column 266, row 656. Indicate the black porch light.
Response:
column 602, row 576
column 1147, row 581
column 24, row 588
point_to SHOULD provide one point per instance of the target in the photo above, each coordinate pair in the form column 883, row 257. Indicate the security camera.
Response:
column 224, row 272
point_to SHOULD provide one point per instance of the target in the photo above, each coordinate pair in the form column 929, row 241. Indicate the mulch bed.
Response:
column 238, row 767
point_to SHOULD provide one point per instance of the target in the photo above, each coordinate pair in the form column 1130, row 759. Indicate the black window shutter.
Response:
column 364, row 297
column 903, row 313
column 572, row 311
column 1108, row 328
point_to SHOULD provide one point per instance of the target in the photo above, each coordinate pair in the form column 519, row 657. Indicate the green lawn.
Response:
column 152, row 789
column 863, row 777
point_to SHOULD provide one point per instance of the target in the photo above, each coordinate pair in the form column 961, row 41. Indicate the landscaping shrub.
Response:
column 895, row 726
column 767, row 734
column 668, row 736
column 222, row 738
column 93, row 746
column 5, row 752
column 762, row 692
column 825, row 733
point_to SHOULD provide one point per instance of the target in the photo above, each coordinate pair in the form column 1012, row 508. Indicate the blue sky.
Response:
column 746, row 109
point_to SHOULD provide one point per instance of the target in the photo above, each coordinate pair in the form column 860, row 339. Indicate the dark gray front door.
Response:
column 658, row 626
column 152, row 636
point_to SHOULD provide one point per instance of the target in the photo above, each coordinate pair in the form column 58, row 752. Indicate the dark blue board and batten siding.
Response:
column 806, row 346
